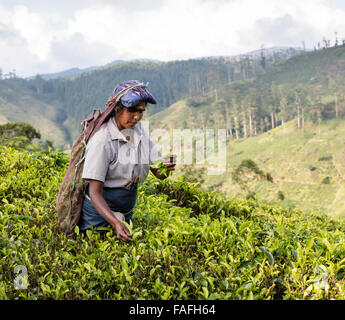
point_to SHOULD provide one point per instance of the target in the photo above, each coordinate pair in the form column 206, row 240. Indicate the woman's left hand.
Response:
column 170, row 166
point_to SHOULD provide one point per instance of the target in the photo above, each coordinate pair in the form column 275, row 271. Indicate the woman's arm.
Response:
column 97, row 200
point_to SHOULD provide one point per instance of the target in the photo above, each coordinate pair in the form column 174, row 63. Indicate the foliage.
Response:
column 189, row 244
column 292, row 158
column 326, row 180
column 281, row 195
column 163, row 170
column 195, row 101
column 20, row 135
column 193, row 174
column 16, row 129
column 248, row 170
column 325, row 158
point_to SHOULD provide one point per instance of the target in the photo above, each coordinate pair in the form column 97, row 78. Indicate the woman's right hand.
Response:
column 97, row 200
column 122, row 232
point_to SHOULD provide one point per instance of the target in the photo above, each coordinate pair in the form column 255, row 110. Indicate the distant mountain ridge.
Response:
column 77, row 71
column 281, row 52
column 73, row 71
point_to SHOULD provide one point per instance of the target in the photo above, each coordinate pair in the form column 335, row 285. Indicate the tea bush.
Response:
column 189, row 244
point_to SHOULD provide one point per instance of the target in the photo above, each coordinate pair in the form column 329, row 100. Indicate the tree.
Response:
column 298, row 106
column 248, row 171
column 244, row 119
column 332, row 87
column 318, row 110
column 336, row 39
column 275, row 101
column 266, row 123
column 283, row 110
column 262, row 126
column 230, row 72
column 19, row 135
column 17, row 129
column 38, row 84
column 271, row 108
column 262, row 60
column 228, row 120
column 235, row 111
column 193, row 174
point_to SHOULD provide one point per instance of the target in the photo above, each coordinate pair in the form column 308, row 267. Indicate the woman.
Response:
column 117, row 158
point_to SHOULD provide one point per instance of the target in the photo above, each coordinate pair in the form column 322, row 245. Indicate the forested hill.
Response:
column 289, row 120
column 308, row 86
column 74, row 98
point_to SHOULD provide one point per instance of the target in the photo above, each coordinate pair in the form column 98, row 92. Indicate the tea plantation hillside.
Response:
column 19, row 103
column 189, row 244
column 307, row 166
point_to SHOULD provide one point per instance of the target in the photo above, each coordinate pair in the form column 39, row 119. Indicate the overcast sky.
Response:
column 41, row 36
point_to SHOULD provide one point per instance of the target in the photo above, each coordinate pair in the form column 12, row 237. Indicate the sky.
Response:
column 41, row 36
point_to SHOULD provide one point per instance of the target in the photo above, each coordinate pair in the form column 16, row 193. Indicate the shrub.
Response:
column 281, row 195
column 195, row 102
column 189, row 244
column 325, row 158
column 326, row 180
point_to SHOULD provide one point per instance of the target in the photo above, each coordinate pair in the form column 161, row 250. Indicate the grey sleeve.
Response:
column 155, row 154
column 97, row 160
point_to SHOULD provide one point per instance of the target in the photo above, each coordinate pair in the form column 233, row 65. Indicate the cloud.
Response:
column 72, row 52
column 281, row 31
column 100, row 31
column 133, row 6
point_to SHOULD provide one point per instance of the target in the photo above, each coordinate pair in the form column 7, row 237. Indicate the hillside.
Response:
column 18, row 103
column 189, row 244
column 307, row 167
column 74, row 97
column 310, row 84
column 289, row 120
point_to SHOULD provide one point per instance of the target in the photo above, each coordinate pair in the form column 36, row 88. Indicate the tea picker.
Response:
column 116, row 157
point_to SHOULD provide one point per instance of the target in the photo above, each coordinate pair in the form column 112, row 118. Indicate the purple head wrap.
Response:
column 135, row 95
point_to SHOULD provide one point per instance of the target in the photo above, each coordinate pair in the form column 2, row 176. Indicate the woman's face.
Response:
column 129, row 117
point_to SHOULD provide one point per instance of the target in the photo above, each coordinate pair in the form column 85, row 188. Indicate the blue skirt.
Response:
column 118, row 199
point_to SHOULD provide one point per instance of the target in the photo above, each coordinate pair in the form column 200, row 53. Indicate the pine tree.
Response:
column 235, row 111
column 283, row 110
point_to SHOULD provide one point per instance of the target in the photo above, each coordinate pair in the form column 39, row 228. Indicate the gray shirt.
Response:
column 114, row 160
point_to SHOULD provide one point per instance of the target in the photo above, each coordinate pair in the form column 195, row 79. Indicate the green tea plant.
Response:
column 189, row 244
column 158, row 164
